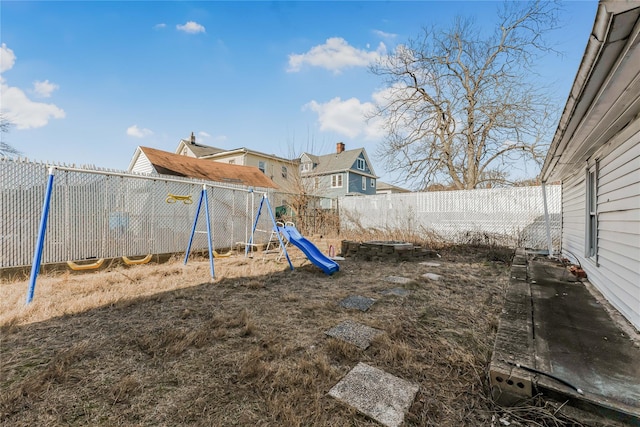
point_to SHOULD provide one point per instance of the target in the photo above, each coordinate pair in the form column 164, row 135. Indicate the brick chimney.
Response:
column 193, row 138
column 339, row 147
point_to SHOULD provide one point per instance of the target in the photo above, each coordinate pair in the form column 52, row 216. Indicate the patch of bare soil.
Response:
column 163, row 345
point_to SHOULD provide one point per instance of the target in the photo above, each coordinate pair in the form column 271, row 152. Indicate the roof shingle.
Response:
column 190, row 167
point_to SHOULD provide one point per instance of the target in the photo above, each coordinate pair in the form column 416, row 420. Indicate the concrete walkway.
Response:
column 573, row 351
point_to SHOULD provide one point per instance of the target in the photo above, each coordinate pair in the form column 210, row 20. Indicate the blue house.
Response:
column 343, row 173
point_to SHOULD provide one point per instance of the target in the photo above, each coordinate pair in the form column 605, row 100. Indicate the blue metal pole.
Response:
column 206, row 210
column 193, row 229
column 275, row 227
column 37, row 255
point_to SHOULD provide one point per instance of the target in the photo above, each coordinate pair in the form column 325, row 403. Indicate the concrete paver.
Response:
column 376, row 393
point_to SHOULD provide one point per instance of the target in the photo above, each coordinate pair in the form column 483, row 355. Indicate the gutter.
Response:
column 587, row 65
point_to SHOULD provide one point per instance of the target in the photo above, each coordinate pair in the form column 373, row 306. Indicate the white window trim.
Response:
column 360, row 164
column 364, row 183
column 373, row 183
column 591, row 212
column 263, row 169
column 336, row 180
column 285, row 172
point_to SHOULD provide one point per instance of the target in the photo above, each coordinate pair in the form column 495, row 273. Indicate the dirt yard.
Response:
column 162, row 345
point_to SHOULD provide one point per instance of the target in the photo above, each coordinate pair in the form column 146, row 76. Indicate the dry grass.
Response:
column 162, row 345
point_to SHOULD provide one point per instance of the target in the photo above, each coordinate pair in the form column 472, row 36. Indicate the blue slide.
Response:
column 310, row 250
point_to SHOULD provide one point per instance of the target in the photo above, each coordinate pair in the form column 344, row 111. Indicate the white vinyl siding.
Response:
column 143, row 165
column 617, row 271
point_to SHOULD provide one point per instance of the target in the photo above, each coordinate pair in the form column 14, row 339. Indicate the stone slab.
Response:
column 396, row 291
column 376, row 393
column 430, row 264
column 432, row 276
column 359, row 302
column 354, row 333
column 398, row 279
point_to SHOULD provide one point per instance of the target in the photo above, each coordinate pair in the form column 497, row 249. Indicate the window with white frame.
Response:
column 284, row 172
column 262, row 166
column 360, row 164
column 305, row 167
column 364, row 183
column 336, row 180
column 232, row 161
column 373, row 183
column 591, row 241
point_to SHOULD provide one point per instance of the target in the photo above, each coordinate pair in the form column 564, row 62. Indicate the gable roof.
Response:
column 200, row 150
column 385, row 186
column 339, row 162
column 243, row 150
column 604, row 96
column 190, row 167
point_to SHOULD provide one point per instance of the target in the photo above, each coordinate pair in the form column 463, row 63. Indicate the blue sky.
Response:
column 87, row 82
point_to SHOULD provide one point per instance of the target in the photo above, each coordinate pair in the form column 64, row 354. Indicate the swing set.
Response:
column 118, row 222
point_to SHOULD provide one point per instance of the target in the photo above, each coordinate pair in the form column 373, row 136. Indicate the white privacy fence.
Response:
column 511, row 216
column 108, row 214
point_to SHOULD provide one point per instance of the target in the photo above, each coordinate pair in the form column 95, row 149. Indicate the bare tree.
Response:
column 5, row 148
column 463, row 107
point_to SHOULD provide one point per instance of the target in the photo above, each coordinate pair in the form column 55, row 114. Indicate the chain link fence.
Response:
column 312, row 215
column 109, row 214
column 505, row 216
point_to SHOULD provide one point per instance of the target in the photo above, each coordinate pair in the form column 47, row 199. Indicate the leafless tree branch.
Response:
column 464, row 105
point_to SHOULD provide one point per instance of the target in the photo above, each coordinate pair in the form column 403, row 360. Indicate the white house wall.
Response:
column 142, row 165
column 616, row 272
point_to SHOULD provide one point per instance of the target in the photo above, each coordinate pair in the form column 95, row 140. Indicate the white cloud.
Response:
column 159, row 26
column 348, row 118
column 191, row 27
column 25, row 113
column 44, row 89
column 203, row 134
column 137, row 132
column 16, row 105
column 7, row 58
column 335, row 54
column 383, row 35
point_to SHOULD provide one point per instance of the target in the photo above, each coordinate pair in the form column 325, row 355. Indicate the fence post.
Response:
column 37, row 255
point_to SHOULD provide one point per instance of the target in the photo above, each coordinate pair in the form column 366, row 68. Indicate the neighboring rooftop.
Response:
column 340, row 161
column 174, row 164
column 386, row 188
column 199, row 150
